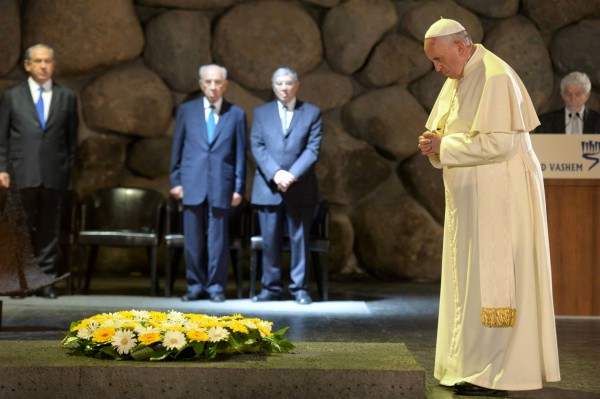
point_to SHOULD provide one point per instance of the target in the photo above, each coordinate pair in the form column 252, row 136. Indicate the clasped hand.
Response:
column 283, row 179
column 429, row 143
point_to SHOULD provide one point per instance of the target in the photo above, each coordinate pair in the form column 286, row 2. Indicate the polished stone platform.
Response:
column 44, row 369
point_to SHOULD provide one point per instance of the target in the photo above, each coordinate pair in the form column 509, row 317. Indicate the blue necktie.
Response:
column 39, row 106
column 210, row 124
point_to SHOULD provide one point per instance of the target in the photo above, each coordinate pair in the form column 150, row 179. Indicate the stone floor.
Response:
column 358, row 311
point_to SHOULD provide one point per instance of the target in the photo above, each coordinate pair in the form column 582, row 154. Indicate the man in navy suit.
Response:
column 285, row 142
column 575, row 117
column 38, row 139
column 208, row 171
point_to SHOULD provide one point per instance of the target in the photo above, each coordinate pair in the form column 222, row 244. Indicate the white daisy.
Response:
column 218, row 333
column 140, row 329
column 140, row 314
column 176, row 317
column 174, row 340
column 84, row 333
column 123, row 341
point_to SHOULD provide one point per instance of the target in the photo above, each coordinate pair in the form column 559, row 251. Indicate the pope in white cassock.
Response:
column 496, row 328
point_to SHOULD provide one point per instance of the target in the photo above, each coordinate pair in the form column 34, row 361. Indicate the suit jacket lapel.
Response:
column 57, row 97
column 28, row 101
column 223, row 118
column 298, row 112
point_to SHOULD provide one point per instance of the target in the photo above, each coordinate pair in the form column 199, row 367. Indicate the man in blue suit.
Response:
column 285, row 142
column 208, row 169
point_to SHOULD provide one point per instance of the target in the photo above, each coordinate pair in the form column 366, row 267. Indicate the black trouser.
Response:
column 42, row 210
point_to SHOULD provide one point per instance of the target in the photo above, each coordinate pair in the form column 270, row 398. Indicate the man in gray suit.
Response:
column 38, row 140
column 285, row 142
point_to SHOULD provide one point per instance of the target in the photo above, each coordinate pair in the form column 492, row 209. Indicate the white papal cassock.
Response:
column 495, row 213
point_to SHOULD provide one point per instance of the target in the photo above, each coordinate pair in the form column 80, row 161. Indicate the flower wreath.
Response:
column 172, row 335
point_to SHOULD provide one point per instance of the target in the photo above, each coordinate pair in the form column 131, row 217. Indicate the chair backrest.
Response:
column 124, row 209
column 320, row 225
column 69, row 214
column 174, row 219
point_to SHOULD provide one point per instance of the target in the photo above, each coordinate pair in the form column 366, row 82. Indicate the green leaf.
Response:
column 142, row 354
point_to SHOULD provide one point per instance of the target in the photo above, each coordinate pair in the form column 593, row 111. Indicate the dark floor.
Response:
column 360, row 311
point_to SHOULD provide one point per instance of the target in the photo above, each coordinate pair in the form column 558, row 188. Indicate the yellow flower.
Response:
column 197, row 335
column 159, row 316
column 149, row 338
column 104, row 334
column 236, row 326
column 83, row 324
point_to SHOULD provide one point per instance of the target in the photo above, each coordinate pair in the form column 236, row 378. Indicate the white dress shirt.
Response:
column 47, row 95
column 574, row 121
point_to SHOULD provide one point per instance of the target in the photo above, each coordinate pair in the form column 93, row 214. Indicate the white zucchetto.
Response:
column 443, row 27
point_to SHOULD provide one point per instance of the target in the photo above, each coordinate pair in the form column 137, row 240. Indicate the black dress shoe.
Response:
column 217, row 297
column 48, row 292
column 302, row 298
column 191, row 296
column 468, row 389
column 266, row 296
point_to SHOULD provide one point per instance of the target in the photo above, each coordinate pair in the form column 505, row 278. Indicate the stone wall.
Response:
column 361, row 61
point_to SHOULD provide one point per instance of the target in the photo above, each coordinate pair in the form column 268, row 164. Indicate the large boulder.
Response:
column 396, row 238
column 130, row 99
column 86, row 35
column 327, row 90
column 351, row 29
column 100, row 161
column 425, row 183
column 419, row 19
column 348, row 169
column 390, row 119
column 150, row 158
column 529, row 58
column 427, row 89
column 189, row 4
column 555, row 14
column 177, row 43
column 10, row 32
column 397, row 59
column 577, row 48
column 255, row 38
column 493, row 9
column 341, row 238
column 244, row 99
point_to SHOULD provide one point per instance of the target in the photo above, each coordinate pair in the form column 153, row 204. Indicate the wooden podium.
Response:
column 573, row 208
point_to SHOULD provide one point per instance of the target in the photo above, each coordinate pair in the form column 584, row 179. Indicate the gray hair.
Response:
column 577, row 79
column 202, row 69
column 284, row 71
column 36, row 46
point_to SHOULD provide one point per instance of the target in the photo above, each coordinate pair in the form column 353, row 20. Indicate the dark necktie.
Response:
column 210, row 124
column 39, row 106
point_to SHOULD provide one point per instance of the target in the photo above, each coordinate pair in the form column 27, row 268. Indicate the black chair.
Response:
column 319, row 243
column 120, row 217
column 238, row 236
column 69, row 226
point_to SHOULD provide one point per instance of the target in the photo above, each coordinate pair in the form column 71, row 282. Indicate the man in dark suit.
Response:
column 285, row 142
column 576, row 117
column 38, row 139
column 208, row 171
